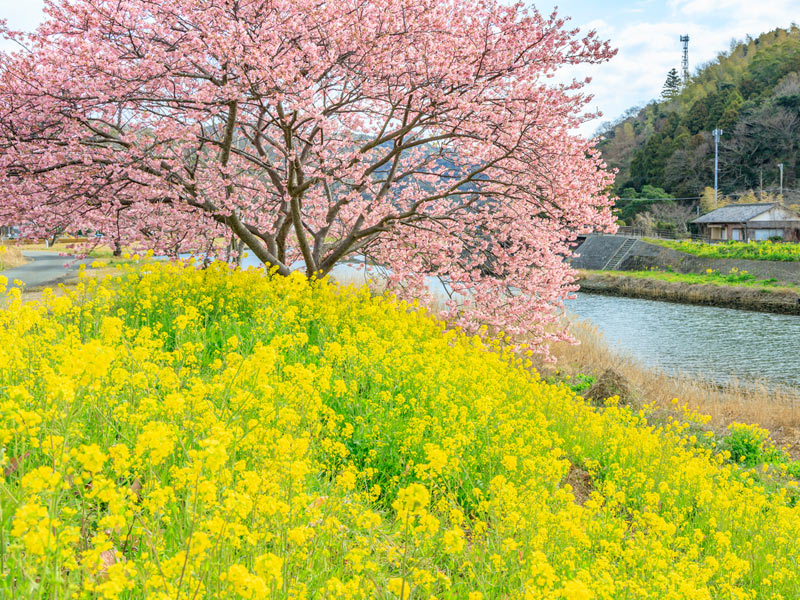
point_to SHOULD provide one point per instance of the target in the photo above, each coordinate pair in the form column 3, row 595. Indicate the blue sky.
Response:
column 646, row 33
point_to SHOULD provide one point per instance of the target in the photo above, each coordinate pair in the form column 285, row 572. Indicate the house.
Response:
column 10, row 232
column 750, row 222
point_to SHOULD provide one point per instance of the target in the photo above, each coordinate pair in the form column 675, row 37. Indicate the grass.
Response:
column 766, row 250
column 734, row 278
column 185, row 433
column 98, row 251
column 11, row 257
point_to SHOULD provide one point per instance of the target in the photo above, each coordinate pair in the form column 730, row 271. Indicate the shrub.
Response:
column 749, row 445
column 582, row 382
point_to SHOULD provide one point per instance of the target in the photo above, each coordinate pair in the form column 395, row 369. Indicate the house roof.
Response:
column 736, row 213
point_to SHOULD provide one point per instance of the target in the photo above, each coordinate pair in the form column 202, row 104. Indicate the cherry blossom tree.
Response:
column 427, row 135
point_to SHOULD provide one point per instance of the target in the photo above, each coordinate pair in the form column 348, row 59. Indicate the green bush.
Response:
column 581, row 383
column 750, row 445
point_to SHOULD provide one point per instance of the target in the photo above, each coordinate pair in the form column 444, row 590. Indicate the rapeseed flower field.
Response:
column 763, row 250
column 184, row 433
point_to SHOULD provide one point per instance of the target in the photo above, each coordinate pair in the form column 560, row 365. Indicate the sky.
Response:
column 646, row 33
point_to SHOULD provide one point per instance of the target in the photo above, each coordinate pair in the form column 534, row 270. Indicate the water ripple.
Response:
column 705, row 341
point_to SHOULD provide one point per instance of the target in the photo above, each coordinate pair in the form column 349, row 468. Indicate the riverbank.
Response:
column 442, row 449
column 762, row 250
column 632, row 284
column 775, row 407
column 602, row 252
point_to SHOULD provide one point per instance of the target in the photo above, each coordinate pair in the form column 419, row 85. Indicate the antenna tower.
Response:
column 685, row 61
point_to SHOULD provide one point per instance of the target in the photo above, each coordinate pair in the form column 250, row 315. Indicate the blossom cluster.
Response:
column 186, row 433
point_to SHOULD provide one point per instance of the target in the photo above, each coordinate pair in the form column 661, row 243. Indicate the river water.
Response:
column 704, row 341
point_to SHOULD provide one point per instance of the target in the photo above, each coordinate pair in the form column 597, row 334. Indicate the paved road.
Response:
column 45, row 269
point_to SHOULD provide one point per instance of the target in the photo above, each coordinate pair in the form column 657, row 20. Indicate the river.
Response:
column 703, row 341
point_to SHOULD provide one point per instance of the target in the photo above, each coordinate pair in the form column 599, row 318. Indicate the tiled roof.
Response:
column 735, row 213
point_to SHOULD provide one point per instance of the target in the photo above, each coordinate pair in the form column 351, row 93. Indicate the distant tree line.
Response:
column 752, row 92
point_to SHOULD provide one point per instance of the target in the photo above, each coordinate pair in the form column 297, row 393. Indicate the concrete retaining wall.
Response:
column 598, row 249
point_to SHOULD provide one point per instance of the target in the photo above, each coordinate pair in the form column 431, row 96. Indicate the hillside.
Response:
column 751, row 92
column 188, row 433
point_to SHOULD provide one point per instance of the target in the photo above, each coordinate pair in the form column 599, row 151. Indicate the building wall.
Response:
column 777, row 213
column 790, row 231
column 737, row 233
column 723, row 232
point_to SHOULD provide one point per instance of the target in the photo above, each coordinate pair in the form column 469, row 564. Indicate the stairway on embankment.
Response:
column 620, row 253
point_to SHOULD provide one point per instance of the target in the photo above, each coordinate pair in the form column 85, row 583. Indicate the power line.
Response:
column 767, row 189
column 731, row 195
column 688, row 198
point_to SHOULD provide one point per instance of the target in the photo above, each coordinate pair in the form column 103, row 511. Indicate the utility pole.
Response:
column 780, row 168
column 717, row 133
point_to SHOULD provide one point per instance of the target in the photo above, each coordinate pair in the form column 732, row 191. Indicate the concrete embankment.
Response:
column 748, row 298
column 601, row 252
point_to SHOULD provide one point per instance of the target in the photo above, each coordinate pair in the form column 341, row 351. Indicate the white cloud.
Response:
column 648, row 50
column 727, row 10
column 20, row 15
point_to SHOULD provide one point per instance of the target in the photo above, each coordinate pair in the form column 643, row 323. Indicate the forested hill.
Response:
column 752, row 92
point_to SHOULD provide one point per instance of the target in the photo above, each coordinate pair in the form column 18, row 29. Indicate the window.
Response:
column 765, row 234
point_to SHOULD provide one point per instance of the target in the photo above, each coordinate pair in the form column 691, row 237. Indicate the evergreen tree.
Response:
column 672, row 86
column 730, row 113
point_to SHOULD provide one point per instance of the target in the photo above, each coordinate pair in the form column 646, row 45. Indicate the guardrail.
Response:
column 666, row 234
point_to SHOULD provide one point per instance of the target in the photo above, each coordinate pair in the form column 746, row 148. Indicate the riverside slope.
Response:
column 780, row 301
column 597, row 251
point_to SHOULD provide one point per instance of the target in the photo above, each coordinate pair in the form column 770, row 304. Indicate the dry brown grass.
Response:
column 66, row 247
column 774, row 407
column 11, row 257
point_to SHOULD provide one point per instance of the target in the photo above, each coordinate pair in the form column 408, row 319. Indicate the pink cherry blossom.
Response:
column 428, row 135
